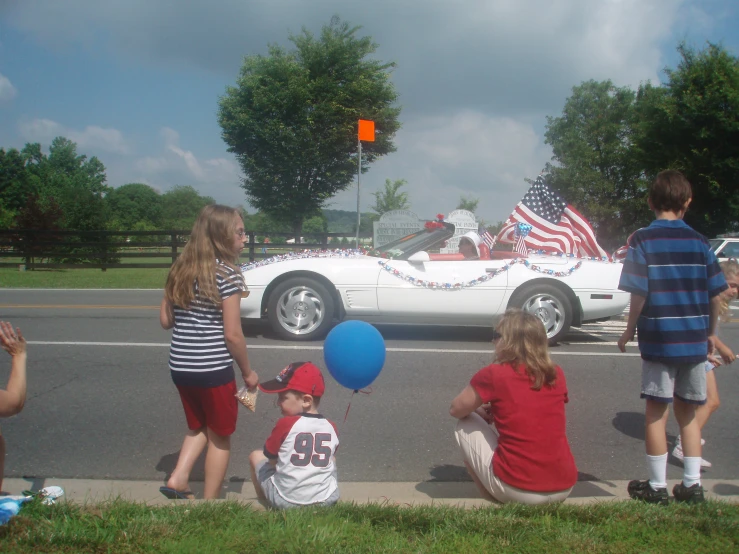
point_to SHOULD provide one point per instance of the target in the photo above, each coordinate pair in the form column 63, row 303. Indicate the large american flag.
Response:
column 556, row 225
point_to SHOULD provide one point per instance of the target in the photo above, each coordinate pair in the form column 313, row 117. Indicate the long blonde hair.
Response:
column 731, row 271
column 211, row 237
column 523, row 341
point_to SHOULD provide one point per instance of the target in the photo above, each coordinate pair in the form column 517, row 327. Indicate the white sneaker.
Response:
column 677, row 452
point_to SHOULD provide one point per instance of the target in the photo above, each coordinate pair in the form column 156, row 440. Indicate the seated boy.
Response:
column 297, row 466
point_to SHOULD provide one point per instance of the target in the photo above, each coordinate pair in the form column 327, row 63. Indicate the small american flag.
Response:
column 555, row 224
column 486, row 237
column 520, row 245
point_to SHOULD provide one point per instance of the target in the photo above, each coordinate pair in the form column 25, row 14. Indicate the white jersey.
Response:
column 304, row 446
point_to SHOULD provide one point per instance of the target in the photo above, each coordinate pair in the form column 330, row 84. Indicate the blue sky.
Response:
column 136, row 83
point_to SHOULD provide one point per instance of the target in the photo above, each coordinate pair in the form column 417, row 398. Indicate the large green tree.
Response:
column 16, row 185
column 596, row 169
column 292, row 119
column 135, row 204
column 391, row 198
column 181, row 206
column 692, row 124
column 73, row 180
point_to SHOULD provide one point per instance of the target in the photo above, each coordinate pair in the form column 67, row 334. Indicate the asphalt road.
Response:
column 101, row 403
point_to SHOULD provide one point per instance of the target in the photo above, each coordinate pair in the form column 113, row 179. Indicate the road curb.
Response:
column 461, row 494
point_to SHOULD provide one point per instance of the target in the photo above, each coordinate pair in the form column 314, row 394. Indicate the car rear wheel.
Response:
column 549, row 304
column 300, row 309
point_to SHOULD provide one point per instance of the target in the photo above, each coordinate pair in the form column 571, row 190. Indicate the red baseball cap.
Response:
column 299, row 376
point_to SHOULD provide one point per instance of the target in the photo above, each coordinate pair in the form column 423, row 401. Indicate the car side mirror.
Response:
column 419, row 257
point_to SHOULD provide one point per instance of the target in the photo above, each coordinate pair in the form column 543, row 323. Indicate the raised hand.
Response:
column 12, row 340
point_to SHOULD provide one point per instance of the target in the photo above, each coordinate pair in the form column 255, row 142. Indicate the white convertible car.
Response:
column 303, row 295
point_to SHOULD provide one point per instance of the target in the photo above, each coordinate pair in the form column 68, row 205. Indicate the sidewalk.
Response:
column 461, row 494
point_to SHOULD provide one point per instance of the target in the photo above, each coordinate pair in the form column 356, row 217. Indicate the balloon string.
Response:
column 368, row 390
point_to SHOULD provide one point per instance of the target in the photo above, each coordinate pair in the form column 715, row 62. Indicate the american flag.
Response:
column 556, row 225
column 520, row 245
column 486, row 237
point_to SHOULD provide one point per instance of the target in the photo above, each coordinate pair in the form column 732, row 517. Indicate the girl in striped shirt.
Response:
column 201, row 301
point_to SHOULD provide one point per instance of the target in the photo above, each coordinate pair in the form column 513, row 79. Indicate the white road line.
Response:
column 392, row 349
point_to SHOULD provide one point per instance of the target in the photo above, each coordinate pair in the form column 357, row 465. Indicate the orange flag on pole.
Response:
column 366, row 130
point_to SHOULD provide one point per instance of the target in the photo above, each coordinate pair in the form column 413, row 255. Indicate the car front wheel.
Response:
column 300, row 309
column 550, row 305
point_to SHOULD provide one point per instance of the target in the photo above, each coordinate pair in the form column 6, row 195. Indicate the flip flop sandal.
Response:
column 173, row 494
column 48, row 494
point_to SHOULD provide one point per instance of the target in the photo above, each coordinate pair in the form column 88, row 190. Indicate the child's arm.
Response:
column 714, row 309
column 726, row 353
column 13, row 399
column 166, row 314
column 235, row 340
column 637, row 305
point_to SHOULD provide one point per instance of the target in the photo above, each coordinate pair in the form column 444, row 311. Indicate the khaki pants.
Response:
column 478, row 441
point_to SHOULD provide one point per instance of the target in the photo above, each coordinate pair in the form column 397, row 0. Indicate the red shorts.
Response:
column 214, row 407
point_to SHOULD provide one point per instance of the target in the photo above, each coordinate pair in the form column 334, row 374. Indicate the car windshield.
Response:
column 715, row 243
column 415, row 242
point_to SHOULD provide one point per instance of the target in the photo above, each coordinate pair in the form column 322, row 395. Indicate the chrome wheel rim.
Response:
column 300, row 310
column 549, row 310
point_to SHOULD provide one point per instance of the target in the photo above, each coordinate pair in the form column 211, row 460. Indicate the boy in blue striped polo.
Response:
column 674, row 281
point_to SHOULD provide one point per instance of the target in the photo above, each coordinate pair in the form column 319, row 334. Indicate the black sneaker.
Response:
column 691, row 495
column 641, row 490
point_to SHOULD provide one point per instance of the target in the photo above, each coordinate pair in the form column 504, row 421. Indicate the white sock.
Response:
column 657, row 466
column 691, row 471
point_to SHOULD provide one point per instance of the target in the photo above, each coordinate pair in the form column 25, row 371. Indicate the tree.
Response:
column 181, row 206
column 469, row 204
column 16, row 184
column 692, row 124
column 292, row 119
column 135, row 203
column 597, row 170
column 38, row 213
column 390, row 199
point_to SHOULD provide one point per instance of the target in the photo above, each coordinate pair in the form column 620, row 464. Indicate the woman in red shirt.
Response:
column 511, row 427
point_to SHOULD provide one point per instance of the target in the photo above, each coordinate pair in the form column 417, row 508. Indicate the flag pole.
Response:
column 359, row 174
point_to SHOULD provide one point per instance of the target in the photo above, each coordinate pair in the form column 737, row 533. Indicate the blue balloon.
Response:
column 354, row 352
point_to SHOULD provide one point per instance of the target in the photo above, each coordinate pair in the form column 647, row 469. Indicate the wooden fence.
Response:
column 48, row 249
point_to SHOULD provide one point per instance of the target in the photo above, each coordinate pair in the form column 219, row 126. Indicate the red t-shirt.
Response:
column 533, row 453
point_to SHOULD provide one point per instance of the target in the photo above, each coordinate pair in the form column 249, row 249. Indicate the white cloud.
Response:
column 7, row 90
column 217, row 177
column 465, row 154
column 91, row 137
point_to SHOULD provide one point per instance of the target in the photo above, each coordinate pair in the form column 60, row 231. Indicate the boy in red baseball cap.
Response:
column 297, row 465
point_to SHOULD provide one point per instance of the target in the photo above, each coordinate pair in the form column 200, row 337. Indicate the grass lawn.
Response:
column 120, row 526
column 83, row 278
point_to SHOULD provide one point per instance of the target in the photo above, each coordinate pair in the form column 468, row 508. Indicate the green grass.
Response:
column 120, row 526
column 83, row 278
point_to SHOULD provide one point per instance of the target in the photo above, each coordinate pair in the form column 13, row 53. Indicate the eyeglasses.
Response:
column 240, row 233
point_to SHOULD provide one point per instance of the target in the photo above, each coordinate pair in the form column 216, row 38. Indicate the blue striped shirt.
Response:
column 674, row 268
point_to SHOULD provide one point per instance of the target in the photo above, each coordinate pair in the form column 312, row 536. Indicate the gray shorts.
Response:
column 662, row 382
column 265, row 471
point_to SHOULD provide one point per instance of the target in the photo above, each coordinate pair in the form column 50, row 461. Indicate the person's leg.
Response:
column 216, row 463
column 704, row 411
column 656, row 427
column 477, row 440
column 192, row 447
column 480, row 487
column 690, row 433
column 255, row 458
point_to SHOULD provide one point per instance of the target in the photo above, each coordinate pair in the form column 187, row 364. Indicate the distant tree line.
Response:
column 610, row 142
